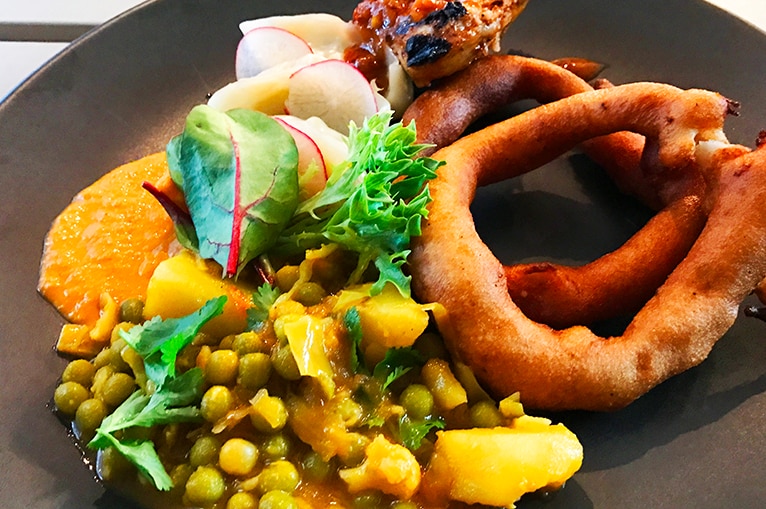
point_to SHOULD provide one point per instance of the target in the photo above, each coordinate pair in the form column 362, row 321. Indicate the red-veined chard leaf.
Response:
column 238, row 173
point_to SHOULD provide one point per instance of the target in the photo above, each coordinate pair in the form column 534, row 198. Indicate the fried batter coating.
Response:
column 574, row 368
column 558, row 295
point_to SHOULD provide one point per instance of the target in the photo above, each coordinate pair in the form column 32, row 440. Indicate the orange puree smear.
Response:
column 108, row 240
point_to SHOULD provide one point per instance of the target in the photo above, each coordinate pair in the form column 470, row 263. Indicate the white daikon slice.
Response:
column 266, row 47
column 332, row 90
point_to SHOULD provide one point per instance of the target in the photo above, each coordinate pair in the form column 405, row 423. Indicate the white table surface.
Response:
column 33, row 31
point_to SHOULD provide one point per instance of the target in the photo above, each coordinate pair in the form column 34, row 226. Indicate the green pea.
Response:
column 100, row 377
column 221, row 367
column 402, row 504
column 280, row 475
column 355, row 452
column 368, row 500
column 132, row 310
column 276, row 447
column 205, row 486
column 315, row 468
column 350, row 411
column 115, row 355
column 309, row 293
column 112, row 465
column 254, row 370
column 203, row 338
column 485, row 414
column 277, row 500
column 117, row 388
column 238, row 456
column 69, row 396
column 89, row 415
column 187, row 358
column 204, row 451
column 284, row 363
column 287, row 276
column 242, row 500
column 247, row 342
column 418, row 401
column 102, row 359
column 216, row 403
column 180, row 474
column 80, row 371
column 279, row 329
column 171, row 434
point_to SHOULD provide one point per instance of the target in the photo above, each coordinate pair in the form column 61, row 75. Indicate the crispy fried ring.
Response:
column 558, row 295
column 674, row 331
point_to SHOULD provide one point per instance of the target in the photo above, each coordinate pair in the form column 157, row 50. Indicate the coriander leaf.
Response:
column 170, row 403
column 119, row 419
column 263, row 298
column 396, row 363
column 144, row 456
column 412, row 432
column 159, row 341
column 353, row 324
column 373, row 205
column 238, row 171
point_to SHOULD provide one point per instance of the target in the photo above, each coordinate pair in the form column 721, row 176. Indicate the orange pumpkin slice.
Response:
column 109, row 240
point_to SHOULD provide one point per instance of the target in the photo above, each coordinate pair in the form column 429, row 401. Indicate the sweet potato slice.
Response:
column 108, row 240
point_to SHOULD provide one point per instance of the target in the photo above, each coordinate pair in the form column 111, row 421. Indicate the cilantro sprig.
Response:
column 412, row 432
column 263, row 298
column 175, row 397
column 373, row 205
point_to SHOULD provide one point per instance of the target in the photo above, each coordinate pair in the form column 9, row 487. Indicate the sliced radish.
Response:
column 331, row 143
column 332, row 90
column 312, row 172
column 325, row 33
column 265, row 47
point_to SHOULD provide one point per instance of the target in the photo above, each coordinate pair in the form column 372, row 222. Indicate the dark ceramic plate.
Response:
column 121, row 91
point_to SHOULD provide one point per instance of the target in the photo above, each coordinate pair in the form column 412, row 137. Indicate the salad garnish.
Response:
column 164, row 398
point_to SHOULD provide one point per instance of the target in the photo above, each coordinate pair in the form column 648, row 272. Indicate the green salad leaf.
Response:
column 372, row 205
column 238, row 173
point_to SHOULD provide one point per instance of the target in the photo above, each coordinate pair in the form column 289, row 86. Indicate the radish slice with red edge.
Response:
column 331, row 143
column 312, row 171
column 265, row 47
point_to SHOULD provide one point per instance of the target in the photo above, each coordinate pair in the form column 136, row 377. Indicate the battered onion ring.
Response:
column 675, row 330
column 558, row 295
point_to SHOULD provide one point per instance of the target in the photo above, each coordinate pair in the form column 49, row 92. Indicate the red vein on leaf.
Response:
column 236, row 226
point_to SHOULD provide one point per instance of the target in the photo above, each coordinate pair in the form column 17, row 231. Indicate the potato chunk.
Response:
column 182, row 284
column 496, row 466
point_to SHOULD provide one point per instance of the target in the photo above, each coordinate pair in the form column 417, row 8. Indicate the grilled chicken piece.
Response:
column 433, row 38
